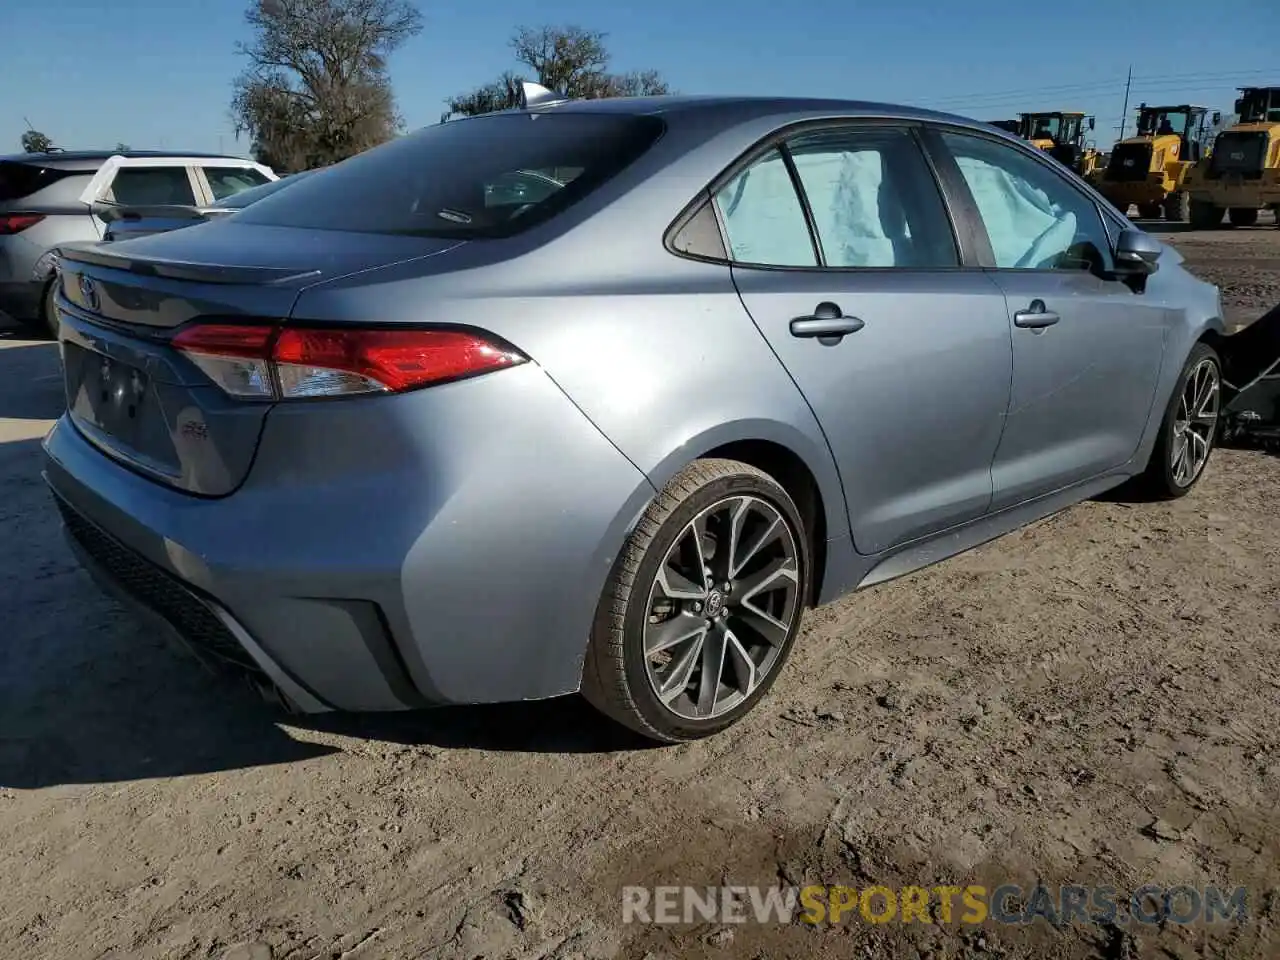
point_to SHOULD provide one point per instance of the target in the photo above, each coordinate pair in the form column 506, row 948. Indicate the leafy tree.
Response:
column 569, row 60
column 316, row 89
column 33, row 141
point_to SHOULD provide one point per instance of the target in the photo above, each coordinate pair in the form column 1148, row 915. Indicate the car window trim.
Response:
column 955, row 183
column 204, row 191
column 776, row 139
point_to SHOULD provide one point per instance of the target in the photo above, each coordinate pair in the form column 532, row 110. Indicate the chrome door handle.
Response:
column 1035, row 317
column 827, row 322
column 825, row 326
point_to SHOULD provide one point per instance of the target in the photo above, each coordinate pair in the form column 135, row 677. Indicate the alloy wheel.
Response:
column 1195, row 423
column 721, row 608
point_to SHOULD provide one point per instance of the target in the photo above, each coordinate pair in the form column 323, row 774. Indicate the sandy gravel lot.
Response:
column 1092, row 700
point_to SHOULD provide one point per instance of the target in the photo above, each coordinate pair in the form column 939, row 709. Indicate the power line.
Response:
column 1158, row 81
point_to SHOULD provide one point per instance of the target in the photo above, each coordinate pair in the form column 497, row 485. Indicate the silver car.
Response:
column 409, row 433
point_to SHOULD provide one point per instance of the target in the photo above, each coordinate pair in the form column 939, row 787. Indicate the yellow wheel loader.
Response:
column 1061, row 134
column 1150, row 168
column 1242, row 174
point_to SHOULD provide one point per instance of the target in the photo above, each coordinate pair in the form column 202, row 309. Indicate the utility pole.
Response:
column 1124, row 114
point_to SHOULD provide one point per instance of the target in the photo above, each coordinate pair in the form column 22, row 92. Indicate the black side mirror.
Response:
column 1217, row 117
column 1092, row 123
column 1137, row 253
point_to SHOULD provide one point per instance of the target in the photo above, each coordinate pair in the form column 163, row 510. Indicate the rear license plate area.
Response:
column 109, row 393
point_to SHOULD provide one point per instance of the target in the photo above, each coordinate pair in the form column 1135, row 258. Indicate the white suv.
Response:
column 46, row 200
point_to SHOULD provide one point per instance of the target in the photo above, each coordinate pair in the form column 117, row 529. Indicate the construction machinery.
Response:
column 1242, row 174
column 1150, row 168
column 1008, row 126
column 1061, row 134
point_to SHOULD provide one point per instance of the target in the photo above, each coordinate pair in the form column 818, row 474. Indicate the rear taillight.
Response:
column 11, row 223
column 269, row 362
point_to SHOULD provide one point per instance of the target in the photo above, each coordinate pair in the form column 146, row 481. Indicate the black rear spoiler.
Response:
column 109, row 212
column 102, row 255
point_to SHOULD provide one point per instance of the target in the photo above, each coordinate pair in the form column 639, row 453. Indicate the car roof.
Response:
column 93, row 159
column 712, row 104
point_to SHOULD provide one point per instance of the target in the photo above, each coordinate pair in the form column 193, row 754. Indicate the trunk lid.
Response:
column 145, row 404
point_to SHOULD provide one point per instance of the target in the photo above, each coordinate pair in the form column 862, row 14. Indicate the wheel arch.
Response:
column 803, row 467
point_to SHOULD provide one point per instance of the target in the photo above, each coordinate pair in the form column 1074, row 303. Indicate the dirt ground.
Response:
column 1092, row 700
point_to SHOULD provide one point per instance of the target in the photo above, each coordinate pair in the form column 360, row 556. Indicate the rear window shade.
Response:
column 20, row 180
column 487, row 176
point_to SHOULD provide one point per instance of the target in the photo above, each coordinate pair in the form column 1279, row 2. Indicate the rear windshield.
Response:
column 20, row 180
column 480, row 177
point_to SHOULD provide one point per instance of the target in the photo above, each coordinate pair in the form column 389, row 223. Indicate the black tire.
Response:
column 1204, row 215
column 1149, row 211
column 1177, row 207
column 1159, row 480
column 1243, row 216
column 615, row 678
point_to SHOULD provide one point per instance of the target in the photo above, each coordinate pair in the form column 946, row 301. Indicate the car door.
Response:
column 845, row 258
column 1087, row 348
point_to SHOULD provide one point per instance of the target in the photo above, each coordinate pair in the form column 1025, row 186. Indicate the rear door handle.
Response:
column 828, row 323
column 1036, row 317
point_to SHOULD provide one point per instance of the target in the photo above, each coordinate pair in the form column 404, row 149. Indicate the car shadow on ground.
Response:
column 561, row 725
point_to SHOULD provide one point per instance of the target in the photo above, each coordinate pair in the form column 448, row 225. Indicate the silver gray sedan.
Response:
column 599, row 396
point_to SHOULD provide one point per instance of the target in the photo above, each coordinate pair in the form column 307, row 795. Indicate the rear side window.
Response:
column 228, row 181
column 480, row 177
column 873, row 198
column 162, row 185
column 18, row 181
column 763, row 218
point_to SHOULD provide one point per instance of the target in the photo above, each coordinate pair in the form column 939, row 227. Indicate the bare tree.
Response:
column 33, row 141
column 569, row 60
column 316, row 89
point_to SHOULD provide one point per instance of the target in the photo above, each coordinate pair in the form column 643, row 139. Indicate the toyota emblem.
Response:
column 89, row 292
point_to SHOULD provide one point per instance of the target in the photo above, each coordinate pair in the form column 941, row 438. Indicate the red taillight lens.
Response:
column 11, row 223
column 269, row 362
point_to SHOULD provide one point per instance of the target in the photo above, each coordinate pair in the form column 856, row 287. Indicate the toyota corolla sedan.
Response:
column 599, row 396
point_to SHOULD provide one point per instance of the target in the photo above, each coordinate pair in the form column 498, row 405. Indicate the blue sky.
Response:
column 157, row 73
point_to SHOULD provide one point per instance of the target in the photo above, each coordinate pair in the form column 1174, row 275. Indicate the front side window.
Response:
column 228, row 181
column 873, row 198
column 1035, row 219
column 488, row 176
column 148, row 185
column 763, row 218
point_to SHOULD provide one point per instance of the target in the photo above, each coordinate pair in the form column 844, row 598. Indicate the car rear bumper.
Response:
column 371, row 560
